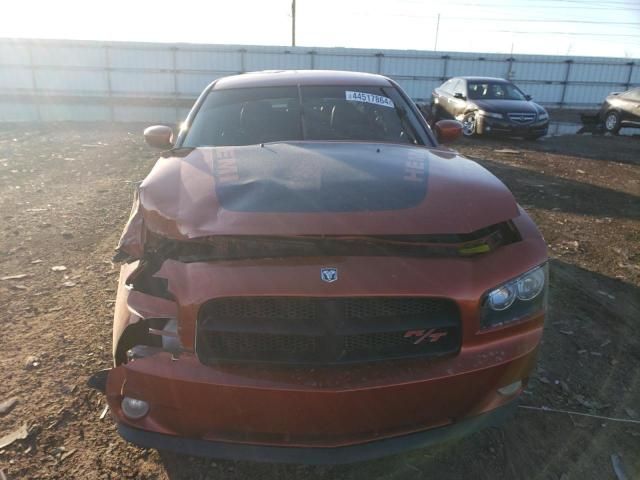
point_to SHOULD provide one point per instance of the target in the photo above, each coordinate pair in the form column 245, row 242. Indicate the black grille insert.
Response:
column 522, row 117
column 302, row 330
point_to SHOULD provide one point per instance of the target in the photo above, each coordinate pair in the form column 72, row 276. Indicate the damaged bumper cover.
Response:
column 317, row 456
column 262, row 414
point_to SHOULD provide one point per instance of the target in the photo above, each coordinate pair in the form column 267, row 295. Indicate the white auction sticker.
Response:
column 368, row 98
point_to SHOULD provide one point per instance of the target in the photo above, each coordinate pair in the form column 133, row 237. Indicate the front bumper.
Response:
column 285, row 414
column 488, row 125
column 317, row 456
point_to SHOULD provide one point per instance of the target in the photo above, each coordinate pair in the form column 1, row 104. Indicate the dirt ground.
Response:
column 65, row 194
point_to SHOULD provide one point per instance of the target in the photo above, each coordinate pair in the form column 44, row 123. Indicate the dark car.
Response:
column 489, row 105
column 621, row 109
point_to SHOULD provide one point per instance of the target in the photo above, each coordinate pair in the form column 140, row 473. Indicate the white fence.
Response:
column 57, row 80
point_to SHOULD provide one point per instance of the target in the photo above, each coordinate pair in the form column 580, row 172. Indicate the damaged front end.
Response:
column 146, row 317
column 230, row 334
column 146, row 312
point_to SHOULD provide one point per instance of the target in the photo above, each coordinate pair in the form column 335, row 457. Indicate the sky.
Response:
column 555, row 27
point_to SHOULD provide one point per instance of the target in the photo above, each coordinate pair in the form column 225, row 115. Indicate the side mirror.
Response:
column 528, row 97
column 448, row 131
column 159, row 136
column 459, row 95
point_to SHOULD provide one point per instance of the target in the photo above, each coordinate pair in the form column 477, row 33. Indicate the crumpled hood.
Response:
column 319, row 188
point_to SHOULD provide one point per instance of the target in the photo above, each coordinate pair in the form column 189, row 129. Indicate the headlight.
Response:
column 530, row 284
column 543, row 116
column 490, row 114
column 515, row 299
column 502, row 297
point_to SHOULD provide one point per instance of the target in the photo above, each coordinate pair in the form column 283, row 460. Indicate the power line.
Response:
column 555, row 5
column 510, row 4
column 541, row 20
column 568, row 33
column 588, row 4
column 529, row 3
column 504, row 19
column 590, row 26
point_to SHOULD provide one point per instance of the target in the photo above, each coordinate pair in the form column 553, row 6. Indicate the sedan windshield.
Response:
column 249, row 116
column 494, row 91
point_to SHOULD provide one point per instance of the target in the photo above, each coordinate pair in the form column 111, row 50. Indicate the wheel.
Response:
column 612, row 122
column 469, row 125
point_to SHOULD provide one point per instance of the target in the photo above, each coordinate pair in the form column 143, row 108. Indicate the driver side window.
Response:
column 498, row 91
column 458, row 87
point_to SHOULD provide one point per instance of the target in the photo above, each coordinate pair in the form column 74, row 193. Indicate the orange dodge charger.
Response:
column 309, row 276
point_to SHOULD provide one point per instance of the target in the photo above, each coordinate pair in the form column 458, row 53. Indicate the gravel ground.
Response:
column 65, row 194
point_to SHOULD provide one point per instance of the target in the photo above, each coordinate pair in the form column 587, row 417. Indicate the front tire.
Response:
column 612, row 122
column 469, row 125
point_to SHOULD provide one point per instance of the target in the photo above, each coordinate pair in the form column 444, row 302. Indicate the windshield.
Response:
column 494, row 91
column 271, row 114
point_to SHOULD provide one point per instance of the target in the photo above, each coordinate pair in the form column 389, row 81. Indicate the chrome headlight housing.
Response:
column 543, row 116
column 516, row 299
column 484, row 113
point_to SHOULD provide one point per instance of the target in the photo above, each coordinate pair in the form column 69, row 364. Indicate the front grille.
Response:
column 250, row 343
column 300, row 330
column 522, row 118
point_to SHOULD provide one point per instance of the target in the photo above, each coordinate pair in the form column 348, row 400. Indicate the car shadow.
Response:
column 608, row 148
column 416, row 464
column 549, row 192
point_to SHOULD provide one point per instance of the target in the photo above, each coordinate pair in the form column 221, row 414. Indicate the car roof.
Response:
column 273, row 78
column 485, row 79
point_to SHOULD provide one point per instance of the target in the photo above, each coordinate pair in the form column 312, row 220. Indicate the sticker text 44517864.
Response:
column 368, row 98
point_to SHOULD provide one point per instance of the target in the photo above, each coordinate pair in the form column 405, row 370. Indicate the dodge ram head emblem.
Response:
column 329, row 274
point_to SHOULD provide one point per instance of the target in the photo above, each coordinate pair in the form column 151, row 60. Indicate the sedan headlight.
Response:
column 516, row 299
column 543, row 116
column 490, row 114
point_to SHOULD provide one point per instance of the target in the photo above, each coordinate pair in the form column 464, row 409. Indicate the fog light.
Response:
column 134, row 408
column 510, row 389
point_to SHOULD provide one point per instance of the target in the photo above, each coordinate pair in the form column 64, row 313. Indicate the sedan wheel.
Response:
column 612, row 122
column 469, row 125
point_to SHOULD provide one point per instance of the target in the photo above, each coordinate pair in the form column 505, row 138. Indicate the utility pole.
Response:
column 293, row 23
column 435, row 46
